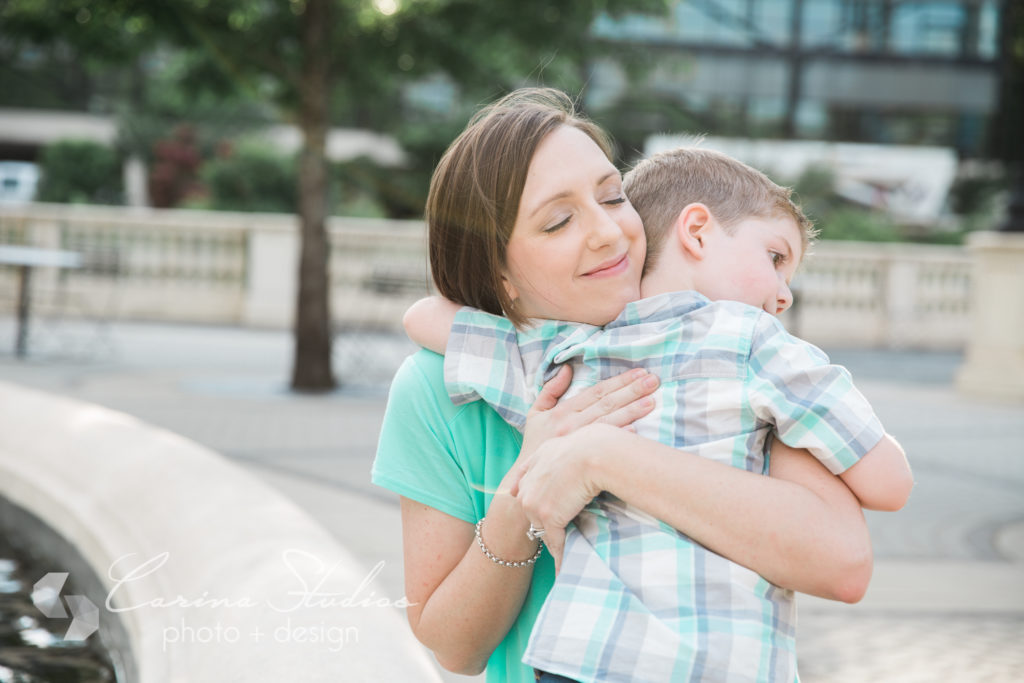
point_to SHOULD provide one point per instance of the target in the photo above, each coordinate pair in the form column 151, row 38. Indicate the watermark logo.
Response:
column 85, row 615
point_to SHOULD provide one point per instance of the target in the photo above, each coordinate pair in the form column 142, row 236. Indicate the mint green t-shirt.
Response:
column 450, row 457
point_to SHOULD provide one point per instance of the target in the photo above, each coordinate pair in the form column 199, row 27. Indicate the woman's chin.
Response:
column 606, row 315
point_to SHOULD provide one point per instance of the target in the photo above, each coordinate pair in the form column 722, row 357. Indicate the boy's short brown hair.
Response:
column 661, row 186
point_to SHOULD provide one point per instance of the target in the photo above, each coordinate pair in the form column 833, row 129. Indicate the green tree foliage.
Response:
column 814, row 191
column 858, row 224
column 79, row 171
column 306, row 56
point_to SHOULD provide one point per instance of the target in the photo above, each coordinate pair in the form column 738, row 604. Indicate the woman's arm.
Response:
column 843, row 541
column 464, row 602
column 801, row 528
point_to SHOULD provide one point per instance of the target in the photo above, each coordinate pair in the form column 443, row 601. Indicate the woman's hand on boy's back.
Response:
column 619, row 401
column 557, row 489
column 560, row 478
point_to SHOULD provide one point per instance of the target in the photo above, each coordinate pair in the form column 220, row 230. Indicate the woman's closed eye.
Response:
column 557, row 226
column 614, row 201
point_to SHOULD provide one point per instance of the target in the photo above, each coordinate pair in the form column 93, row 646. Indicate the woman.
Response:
column 456, row 467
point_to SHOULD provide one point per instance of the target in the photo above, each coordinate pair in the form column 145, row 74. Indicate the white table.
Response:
column 25, row 259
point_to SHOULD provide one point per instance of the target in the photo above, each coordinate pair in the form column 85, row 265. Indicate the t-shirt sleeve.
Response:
column 483, row 361
column 812, row 403
column 416, row 455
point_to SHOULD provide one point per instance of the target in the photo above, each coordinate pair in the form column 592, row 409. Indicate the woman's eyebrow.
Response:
column 552, row 198
column 565, row 193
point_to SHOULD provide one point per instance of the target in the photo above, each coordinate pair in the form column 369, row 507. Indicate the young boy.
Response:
column 635, row 599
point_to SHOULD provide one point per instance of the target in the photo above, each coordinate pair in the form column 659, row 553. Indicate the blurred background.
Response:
column 211, row 219
column 895, row 120
column 192, row 104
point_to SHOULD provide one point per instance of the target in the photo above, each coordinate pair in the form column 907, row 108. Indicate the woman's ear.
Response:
column 692, row 224
column 510, row 289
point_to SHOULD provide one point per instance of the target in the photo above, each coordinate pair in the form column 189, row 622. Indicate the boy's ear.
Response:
column 692, row 224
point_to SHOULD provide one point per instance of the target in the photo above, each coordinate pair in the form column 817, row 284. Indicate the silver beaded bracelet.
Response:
column 497, row 560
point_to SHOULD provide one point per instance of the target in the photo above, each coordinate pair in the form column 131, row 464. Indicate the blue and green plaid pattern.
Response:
column 636, row 600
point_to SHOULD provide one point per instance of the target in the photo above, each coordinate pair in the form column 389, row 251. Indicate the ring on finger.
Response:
column 534, row 533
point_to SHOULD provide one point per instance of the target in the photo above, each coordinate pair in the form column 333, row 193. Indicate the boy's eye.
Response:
column 777, row 258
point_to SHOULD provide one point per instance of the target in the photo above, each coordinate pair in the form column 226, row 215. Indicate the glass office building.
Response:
column 889, row 71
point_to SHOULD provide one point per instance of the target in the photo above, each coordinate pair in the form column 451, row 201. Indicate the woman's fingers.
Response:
column 553, row 390
column 624, row 416
column 513, row 477
column 605, row 389
column 547, row 479
column 556, row 484
column 555, row 541
column 619, row 402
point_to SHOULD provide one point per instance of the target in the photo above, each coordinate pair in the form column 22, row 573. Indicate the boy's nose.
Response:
column 784, row 299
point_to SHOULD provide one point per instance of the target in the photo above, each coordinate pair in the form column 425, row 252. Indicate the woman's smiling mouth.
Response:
column 610, row 267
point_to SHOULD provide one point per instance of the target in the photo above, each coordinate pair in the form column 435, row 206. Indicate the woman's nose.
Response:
column 603, row 231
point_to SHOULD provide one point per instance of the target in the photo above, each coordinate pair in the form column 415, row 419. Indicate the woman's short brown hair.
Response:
column 475, row 192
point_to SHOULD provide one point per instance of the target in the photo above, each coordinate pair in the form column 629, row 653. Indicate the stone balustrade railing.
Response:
column 883, row 295
column 241, row 268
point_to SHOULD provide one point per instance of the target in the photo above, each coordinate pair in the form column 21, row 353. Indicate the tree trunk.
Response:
column 312, row 367
column 794, row 90
column 1009, row 138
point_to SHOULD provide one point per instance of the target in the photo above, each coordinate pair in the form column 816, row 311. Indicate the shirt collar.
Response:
column 667, row 306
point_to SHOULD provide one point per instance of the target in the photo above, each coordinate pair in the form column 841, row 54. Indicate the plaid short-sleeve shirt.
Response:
column 637, row 600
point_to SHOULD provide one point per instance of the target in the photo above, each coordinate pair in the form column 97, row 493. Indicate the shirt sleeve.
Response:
column 812, row 403
column 416, row 455
column 483, row 361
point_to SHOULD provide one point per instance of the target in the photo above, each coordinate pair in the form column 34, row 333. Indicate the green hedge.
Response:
column 80, row 171
column 251, row 177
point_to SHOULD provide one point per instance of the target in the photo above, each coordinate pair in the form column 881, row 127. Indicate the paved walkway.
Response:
column 947, row 599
